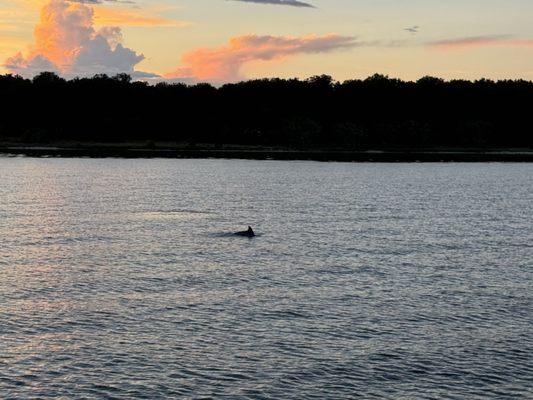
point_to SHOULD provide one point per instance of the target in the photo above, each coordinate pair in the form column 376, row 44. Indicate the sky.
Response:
column 231, row 40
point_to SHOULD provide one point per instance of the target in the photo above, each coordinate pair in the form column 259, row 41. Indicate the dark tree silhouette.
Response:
column 317, row 113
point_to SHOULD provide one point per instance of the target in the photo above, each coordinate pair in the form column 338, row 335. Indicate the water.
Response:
column 120, row 279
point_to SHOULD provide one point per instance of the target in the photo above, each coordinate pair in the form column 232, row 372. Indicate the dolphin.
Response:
column 247, row 233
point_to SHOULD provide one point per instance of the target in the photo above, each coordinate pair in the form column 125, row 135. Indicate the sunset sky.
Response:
column 231, row 40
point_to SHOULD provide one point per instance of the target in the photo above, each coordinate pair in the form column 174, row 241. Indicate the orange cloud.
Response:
column 66, row 42
column 479, row 41
column 224, row 63
column 63, row 27
column 110, row 16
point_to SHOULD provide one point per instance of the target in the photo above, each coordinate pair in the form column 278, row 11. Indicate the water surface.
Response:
column 120, row 279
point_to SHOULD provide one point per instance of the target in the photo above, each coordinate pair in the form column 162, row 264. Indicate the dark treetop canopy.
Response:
column 316, row 113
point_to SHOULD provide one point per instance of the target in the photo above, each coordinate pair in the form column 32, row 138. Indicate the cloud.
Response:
column 292, row 3
column 118, row 16
column 29, row 67
column 131, row 18
column 479, row 41
column 98, row 56
column 66, row 42
column 223, row 64
column 101, row 1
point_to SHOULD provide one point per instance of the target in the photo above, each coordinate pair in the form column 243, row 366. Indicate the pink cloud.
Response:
column 479, row 41
column 66, row 42
column 223, row 64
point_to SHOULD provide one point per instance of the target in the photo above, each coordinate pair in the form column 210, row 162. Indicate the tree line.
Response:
column 315, row 113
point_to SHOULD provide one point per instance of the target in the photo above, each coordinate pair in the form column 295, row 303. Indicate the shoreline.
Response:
column 427, row 155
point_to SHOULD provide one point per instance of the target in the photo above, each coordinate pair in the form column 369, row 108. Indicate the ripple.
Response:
column 123, row 279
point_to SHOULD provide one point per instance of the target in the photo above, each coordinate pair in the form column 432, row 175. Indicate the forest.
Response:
column 316, row 113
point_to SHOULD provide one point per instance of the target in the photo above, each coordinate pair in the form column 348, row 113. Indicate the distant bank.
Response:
column 388, row 155
column 426, row 120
